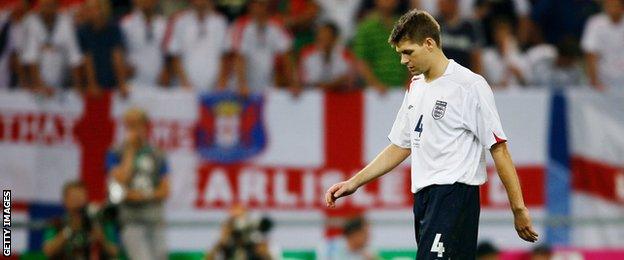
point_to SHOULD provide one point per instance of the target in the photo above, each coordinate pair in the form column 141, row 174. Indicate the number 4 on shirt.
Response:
column 419, row 126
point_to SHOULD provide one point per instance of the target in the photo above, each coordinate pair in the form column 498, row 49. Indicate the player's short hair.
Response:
column 136, row 112
column 331, row 26
column 353, row 225
column 415, row 26
column 76, row 184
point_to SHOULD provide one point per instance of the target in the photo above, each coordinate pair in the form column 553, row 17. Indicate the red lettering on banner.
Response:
column 598, row 178
column 286, row 188
column 172, row 134
column 46, row 129
column 494, row 195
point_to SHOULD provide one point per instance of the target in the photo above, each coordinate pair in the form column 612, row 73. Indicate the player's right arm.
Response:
column 385, row 161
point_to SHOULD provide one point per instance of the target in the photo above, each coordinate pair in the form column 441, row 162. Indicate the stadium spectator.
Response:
column 12, row 73
column 327, row 64
column 603, row 44
column 487, row 251
column 377, row 62
column 102, row 44
column 258, row 40
column 170, row 8
column 353, row 244
column 79, row 234
column 51, row 49
column 142, row 171
column 556, row 66
column 144, row 31
column 342, row 13
column 301, row 20
column 231, row 9
column 503, row 64
column 462, row 37
column 466, row 7
column 198, row 47
column 515, row 11
column 541, row 252
column 558, row 19
column 243, row 237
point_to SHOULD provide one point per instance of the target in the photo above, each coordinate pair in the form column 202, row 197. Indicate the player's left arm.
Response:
column 509, row 177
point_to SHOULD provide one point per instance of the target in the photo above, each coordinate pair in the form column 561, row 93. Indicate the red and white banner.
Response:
column 306, row 144
column 597, row 165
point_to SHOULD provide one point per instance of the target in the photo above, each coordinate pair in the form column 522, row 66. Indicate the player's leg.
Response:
column 419, row 208
column 468, row 225
column 441, row 228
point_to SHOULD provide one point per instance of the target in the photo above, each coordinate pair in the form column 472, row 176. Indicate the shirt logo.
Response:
column 438, row 109
column 410, row 107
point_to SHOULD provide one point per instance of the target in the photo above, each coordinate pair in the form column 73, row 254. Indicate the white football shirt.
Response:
column 55, row 50
column 144, row 42
column 260, row 45
column 605, row 38
column 448, row 123
column 200, row 43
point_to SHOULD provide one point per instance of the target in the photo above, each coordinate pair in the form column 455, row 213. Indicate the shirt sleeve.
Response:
column 173, row 42
column 400, row 132
column 31, row 40
column 480, row 115
column 112, row 159
column 283, row 41
column 164, row 167
column 589, row 42
column 73, row 51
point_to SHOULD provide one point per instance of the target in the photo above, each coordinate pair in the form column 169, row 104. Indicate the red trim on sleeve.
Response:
column 279, row 23
column 498, row 139
column 306, row 52
column 238, row 30
column 170, row 28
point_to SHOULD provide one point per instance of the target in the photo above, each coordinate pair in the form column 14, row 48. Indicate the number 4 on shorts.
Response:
column 438, row 247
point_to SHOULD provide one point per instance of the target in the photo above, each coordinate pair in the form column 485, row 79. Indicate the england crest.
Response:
column 438, row 109
column 230, row 128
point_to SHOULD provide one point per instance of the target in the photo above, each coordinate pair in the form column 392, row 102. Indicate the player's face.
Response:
column 200, row 4
column 48, row 7
column 75, row 198
column 325, row 37
column 613, row 8
column 415, row 56
column 135, row 125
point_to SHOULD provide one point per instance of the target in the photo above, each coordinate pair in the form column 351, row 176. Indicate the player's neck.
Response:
column 437, row 68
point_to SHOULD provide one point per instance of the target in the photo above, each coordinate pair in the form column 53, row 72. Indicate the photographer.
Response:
column 141, row 171
column 243, row 238
column 78, row 235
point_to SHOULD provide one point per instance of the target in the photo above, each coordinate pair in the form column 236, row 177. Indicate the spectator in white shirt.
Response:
column 603, row 43
column 12, row 72
column 144, row 31
column 503, row 64
column 257, row 41
column 343, row 13
column 327, row 64
column 466, row 7
column 51, row 48
column 198, row 46
column 556, row 66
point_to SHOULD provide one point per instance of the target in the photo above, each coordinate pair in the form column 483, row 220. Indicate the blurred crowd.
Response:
column 91, row 46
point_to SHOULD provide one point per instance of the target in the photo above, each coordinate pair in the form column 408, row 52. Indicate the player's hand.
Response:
column 522, row 222
column 338, row 190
